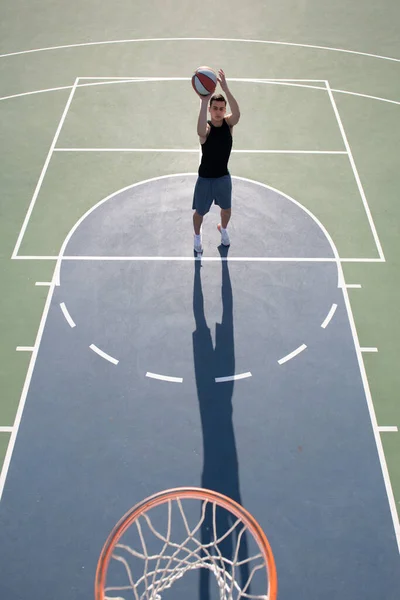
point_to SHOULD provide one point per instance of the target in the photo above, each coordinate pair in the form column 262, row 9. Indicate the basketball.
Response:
column 204, row 81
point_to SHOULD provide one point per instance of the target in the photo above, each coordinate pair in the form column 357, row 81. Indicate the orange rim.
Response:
column 196, row 494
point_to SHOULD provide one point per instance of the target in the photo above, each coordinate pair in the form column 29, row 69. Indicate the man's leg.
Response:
column 224, row 199
column 225, row 217
column 197, row 221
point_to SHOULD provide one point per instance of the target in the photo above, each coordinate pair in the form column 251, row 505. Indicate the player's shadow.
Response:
column 221, row 469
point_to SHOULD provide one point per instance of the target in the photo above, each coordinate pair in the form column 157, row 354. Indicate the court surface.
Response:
column 266, row 371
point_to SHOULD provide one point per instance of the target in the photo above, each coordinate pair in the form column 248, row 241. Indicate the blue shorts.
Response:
column 209, row 189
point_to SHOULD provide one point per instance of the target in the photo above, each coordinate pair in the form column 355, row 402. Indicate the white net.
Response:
column 151, row 561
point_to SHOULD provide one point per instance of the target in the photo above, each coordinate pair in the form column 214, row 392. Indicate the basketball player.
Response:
column 214, row 181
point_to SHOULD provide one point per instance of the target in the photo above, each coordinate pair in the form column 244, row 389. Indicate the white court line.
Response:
column 188, row 150
column 366, row 96
column 36, row 257
column 292, row 354
column 195, row 150
column 210, row 258
column 233, row 377
column 24, row 393
column 371, row 409
column 25, row 348
column 205, row 258
column 200, row 39
column 164, row 377
column 289, row 151
column 46, row 164
column 353, row 285
column 329, row 316
column 155, row 78
column 284, row 82
column 67, row 315
column 355, row 172
column 68, row 87
column 118, row 80
column 368, row 349
column 6, row 429
column 43, row 283
column 103, row 354
column 388, row 429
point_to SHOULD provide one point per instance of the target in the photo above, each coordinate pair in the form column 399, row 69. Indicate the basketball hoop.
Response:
column 155, row 544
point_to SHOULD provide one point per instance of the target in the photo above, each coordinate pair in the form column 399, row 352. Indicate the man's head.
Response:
column 217, row 107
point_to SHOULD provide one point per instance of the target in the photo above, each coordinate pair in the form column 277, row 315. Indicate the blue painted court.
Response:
column 291, row 439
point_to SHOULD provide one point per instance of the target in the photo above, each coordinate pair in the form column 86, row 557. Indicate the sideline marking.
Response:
column 6, row 429
column 25, row 348
column 371, row 409
column 292, row 354
column 164, row 377
column 329, row 316
column 368, row 349
column 67, row 315
column 388, row 428
column 44, row 169
column 200, row 39
column 233, row 377
column 24, row 393
column 103, row 354
column 43, row 283
column 355, row 172
column 353, row 285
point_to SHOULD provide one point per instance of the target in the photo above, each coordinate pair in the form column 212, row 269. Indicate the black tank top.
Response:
column 216, row 151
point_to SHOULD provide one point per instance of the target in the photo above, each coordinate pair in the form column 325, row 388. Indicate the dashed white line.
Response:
column 292, row 354
column 329, row 316
column 44, row 283
column 25, row 348
column 369, row 349
column 353, row 285
column 233, row 377
column 388, row 428
column 164, row 377
column 6, row 429
column 103, row 354
column 67, row 315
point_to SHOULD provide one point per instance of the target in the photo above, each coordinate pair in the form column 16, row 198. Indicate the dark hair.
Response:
column 217, row 98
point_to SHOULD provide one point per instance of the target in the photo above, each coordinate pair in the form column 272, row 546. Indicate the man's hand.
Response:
column 222, row 81
column 203, row 98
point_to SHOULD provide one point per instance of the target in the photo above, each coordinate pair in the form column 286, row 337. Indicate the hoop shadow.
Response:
column 221, row 467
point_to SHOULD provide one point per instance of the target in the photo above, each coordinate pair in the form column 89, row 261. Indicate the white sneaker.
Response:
column 225, row 241
column 198, row 246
